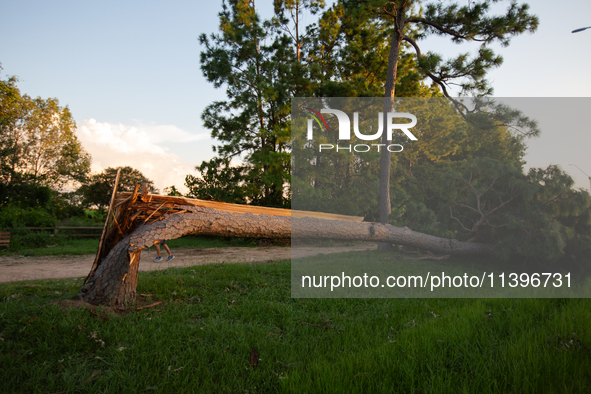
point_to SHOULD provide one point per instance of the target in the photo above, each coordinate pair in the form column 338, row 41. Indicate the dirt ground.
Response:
column 17, row 268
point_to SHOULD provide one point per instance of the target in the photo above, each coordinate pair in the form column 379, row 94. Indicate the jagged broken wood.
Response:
column 140, row 220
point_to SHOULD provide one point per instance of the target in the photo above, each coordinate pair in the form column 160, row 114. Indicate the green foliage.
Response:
column 82, row 221
column 12, row 215
column 255, row 63
column 97, row 190
column 11, row 118
column 66, row 205
column 464, row 180
column 535, row 216
column 346, row 182
column 95, row 215
column 411, row 21
column 262, row 68
column 21, row 238
column 347, row 58
column 219, row 181
column 415, row 216
column 39, row 154
column 25, row 194
column 479, row 195
column 38, row 141
column 552, row 221
column 32, row 205
column 172, row 191
column 459, row 23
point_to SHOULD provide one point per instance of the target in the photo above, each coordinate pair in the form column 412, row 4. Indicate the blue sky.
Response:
column 129, row 71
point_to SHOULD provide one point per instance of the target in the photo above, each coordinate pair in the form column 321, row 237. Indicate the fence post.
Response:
column 55, row 229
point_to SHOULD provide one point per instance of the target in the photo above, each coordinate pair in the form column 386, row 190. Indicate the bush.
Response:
column 35, row 240
column 81, row 221
column 25, row 194
column 97, row 216
column 63, row 206
column 21, row 238
column 13, row 215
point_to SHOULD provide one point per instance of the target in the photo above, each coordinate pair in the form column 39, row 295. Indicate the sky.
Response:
column 129, row 71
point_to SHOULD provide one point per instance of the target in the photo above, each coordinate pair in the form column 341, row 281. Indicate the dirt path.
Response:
column 14, row 269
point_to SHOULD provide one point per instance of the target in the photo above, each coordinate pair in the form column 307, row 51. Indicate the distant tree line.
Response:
column 45, row 172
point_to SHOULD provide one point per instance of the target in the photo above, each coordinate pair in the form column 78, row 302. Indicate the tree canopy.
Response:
column 412, row 21
column 464, row 180
column 96, row 191
column 254, row 63
column 38, row 141
column 262, row 65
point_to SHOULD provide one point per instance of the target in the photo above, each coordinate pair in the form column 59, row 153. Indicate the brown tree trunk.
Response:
column 114, row 280
column 390, row 93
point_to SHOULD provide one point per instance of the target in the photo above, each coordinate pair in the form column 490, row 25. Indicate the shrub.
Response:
column 12, row 216
column 21, row 238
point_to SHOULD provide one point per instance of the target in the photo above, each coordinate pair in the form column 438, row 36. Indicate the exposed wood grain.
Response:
column 240, row 208
column 101, row 245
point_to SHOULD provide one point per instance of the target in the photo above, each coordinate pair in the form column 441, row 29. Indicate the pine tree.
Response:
column 415, row 20
column 263, row 64
column 257, row 65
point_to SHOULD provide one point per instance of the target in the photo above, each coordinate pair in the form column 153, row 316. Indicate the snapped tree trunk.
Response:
column 113, row 280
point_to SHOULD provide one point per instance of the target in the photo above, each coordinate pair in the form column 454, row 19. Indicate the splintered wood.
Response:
column 152, row 207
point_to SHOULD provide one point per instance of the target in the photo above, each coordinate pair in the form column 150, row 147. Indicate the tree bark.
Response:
column 114, row 280
column 389, row 94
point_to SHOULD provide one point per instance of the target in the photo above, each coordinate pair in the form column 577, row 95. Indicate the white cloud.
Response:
column 137, row 146
column 164, row 133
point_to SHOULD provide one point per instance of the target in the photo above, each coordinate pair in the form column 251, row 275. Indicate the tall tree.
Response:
column 96, row 191
column 351, row 60
column 219, row 181
column 265, row 63
column 414, row 20
column 291, row 12
column 38, row 140
column 11, row 121
column 254, row 62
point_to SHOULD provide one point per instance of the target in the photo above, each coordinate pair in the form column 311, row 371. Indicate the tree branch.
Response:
column 443, row 29
column 451, row 214
column 459, row 106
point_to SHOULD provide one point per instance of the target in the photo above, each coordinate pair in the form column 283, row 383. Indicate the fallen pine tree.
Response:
column 139, row 220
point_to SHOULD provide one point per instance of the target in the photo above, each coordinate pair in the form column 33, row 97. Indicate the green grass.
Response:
column 60, row 246
column 203, row 342
column 77, row 246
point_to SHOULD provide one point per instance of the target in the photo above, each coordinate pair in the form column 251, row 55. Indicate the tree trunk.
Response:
column 390, row 93
column 113, row 281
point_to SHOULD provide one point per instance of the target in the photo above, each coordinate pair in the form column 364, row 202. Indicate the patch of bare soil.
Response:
column 17, row 268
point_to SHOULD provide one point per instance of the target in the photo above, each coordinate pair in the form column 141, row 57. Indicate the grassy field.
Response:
column 77, row 246
column 203, row 338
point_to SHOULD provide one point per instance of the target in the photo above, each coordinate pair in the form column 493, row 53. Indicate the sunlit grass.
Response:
column 212, row 317
column 77, row 246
